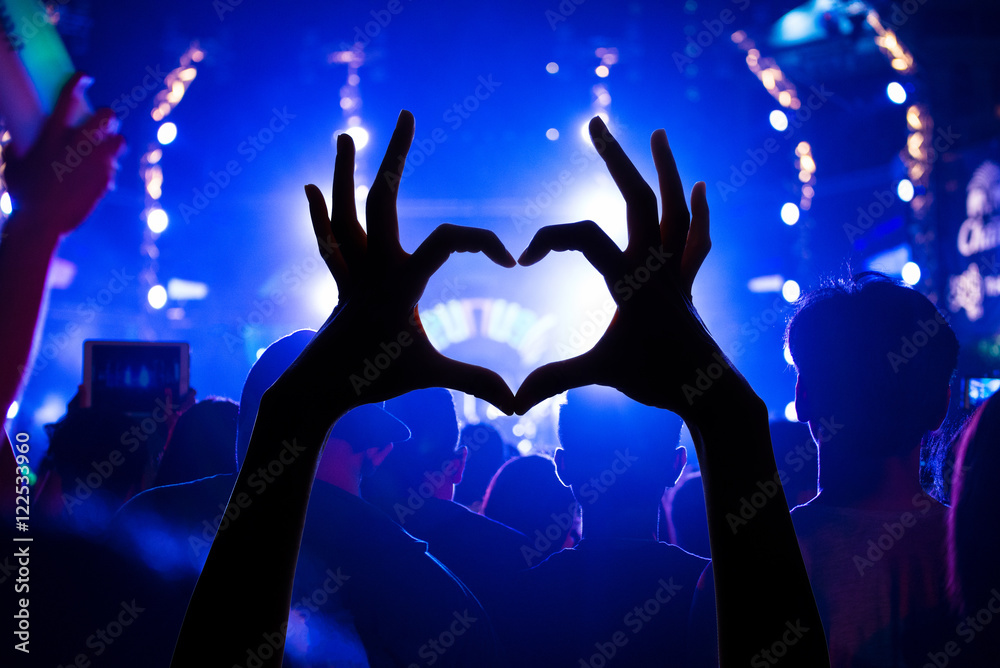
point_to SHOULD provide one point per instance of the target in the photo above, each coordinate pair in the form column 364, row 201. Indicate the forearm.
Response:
column 244, row 592
column 763, row 594
column 25, row 254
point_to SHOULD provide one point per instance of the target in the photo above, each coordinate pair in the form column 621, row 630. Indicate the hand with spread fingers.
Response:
column 656, row 343
column 379, row 285
column 58, row 194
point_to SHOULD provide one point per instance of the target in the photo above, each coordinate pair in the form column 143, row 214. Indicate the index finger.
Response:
column 383, row 225
column 640, row 202
column 675, row 219
column 65, row 104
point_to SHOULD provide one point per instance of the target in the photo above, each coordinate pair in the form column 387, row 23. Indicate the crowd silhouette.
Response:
column 316, row 524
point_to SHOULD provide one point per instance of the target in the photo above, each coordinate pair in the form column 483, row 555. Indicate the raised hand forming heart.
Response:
column 379, row 285
column 656, row 342
column 653, row 346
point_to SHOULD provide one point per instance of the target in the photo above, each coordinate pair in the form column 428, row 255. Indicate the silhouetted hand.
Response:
column 48, row 183
column 656, row 342
column 377, row 343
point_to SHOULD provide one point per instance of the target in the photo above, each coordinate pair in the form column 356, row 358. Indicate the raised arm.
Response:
column 51, row 200
column 242, row 598
column 657, row 351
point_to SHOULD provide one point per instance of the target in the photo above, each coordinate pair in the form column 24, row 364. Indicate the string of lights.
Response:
column 175, row 85
column 781, row 89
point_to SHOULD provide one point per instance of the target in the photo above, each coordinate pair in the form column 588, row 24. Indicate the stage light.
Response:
column 788, row 356
column 12, row 411
column 790, row 291
column 52, row 408
column 5, row 204
column 778, row 120
column 176, row 93
column 905, row 190
column 167, row 133
column 524, row 447
column 552, row 67
column 157, row 296
column 789, row 213
column 911, row 273
column 552, row 134
column 180, row 290
column 896, row 92
column 790, row 413
column 360, row 136
column 602, row 71
column 157, row 220
column 769, row 283
column 260, row 351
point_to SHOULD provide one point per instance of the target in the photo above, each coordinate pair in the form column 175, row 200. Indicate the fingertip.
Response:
column 405, row 119
column 345, row 142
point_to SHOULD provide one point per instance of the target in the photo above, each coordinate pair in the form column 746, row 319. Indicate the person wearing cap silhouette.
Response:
column 415, row 487
column 358, row 567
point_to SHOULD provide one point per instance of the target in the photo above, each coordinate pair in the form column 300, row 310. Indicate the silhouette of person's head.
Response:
column 687, row 521
column 487, row 453
column 201, row 443
column 527, row 496
column 430, row 462
column 617, row 452
column 358, row 442
column 269, row 366
column 101, row 462
column 874, row 361
column 973, row 523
